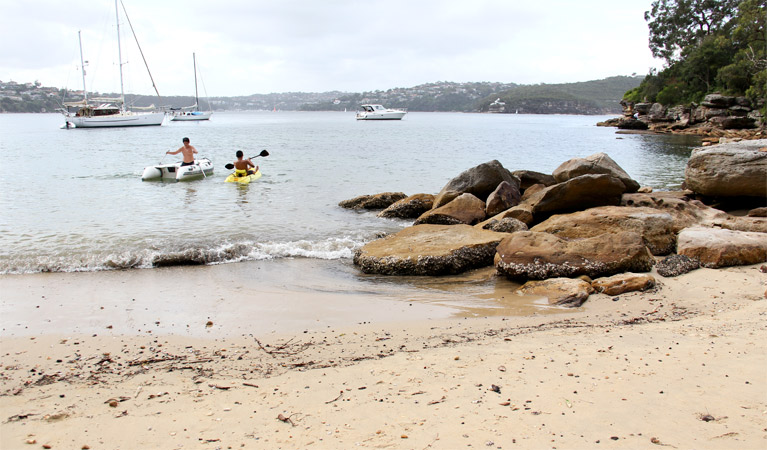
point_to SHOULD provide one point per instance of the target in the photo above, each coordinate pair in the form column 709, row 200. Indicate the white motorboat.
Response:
column 108, row 112
column 202, row 168
column 191, row 112
column 378, row 112
column 190, row 115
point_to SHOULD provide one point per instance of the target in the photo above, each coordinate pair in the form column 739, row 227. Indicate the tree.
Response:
column 677, row 24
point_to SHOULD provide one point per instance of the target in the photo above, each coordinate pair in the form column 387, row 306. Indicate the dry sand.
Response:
column 683, row 366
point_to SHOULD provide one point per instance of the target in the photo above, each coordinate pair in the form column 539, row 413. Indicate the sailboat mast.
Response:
column 82, row 65
column 196, row 100
column 120, row 56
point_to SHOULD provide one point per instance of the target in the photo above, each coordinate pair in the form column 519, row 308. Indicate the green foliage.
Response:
column 678, row 24
column 709, row 46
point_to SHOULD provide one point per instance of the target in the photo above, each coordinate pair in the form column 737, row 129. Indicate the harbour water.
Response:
column 73, row 200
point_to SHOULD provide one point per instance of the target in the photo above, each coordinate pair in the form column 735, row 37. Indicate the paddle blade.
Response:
column 229, row 166
column 263, row 153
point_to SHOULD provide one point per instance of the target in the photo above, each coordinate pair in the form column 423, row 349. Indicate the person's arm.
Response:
column 250, row 163
column 173, row 153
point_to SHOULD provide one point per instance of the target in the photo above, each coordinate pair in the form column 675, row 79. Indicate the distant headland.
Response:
column 596, row 97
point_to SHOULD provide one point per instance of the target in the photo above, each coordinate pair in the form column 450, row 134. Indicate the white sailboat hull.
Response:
column 176, row 172
column 127, row 119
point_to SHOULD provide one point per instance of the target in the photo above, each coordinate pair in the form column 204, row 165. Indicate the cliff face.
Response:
column 717, row 113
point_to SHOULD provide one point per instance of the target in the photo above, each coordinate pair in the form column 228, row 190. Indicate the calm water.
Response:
column 73, row 200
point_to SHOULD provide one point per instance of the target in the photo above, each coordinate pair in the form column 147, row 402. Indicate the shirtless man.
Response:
column 242, row 166
column 187, row 150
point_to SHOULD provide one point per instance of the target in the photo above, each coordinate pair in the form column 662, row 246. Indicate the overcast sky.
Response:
column 255, row 46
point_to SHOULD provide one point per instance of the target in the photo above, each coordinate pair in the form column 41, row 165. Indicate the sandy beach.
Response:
column 681, row 366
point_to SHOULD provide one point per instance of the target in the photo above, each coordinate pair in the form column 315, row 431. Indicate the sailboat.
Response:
column 192, row 112
column 109, row 112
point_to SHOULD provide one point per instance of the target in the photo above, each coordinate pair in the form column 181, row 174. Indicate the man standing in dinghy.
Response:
column 242, row 167
column 187, row 150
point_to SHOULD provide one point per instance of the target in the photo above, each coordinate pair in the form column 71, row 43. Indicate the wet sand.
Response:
column 289, row 295
column 376, row 364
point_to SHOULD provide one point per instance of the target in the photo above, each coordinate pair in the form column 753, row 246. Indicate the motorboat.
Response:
column 108, row 112
column 191, row 112
column 378, row 112
column 190, row 115
column 202, row 168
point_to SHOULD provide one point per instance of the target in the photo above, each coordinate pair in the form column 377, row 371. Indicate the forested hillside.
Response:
column 589, row 97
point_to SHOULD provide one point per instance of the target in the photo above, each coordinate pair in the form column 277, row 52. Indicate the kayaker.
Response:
column 187, row 150
column 242, row 167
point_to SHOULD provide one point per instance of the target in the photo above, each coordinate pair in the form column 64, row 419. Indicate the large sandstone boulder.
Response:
column 532, row 190
column 479, row 181
column 729, row 170
column 596, row 164
column 576, row 194
column 409, row 208
column 375, row 201
column 466, row 209
column 656, row 227
column 531, row 255
column 715, row 247
column 502, row 198
column 429, row 250
column 529, row 178
column 522, row 212
column 687, row 212
column 505, row 225
column 559, row 291
column 717, row 100
column 623, row 282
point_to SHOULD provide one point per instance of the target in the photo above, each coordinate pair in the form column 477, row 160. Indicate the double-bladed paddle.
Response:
column 230, row 166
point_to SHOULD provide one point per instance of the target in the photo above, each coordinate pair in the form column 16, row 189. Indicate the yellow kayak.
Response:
column 244, row 180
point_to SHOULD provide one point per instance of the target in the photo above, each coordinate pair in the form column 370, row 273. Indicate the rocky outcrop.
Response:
column 572, row 292
column 716, row 112
column 480, row 181
column 529, row 255
column 429, row 250
column 409, row 208
column 598, row 163
column 715, row 247
column 376, row 201
column 736, row 169
column 464, row 209
column 590, row 221
column 656, row 227
column 622, row 283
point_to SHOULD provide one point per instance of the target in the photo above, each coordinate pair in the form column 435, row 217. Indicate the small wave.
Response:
column 217, row 253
